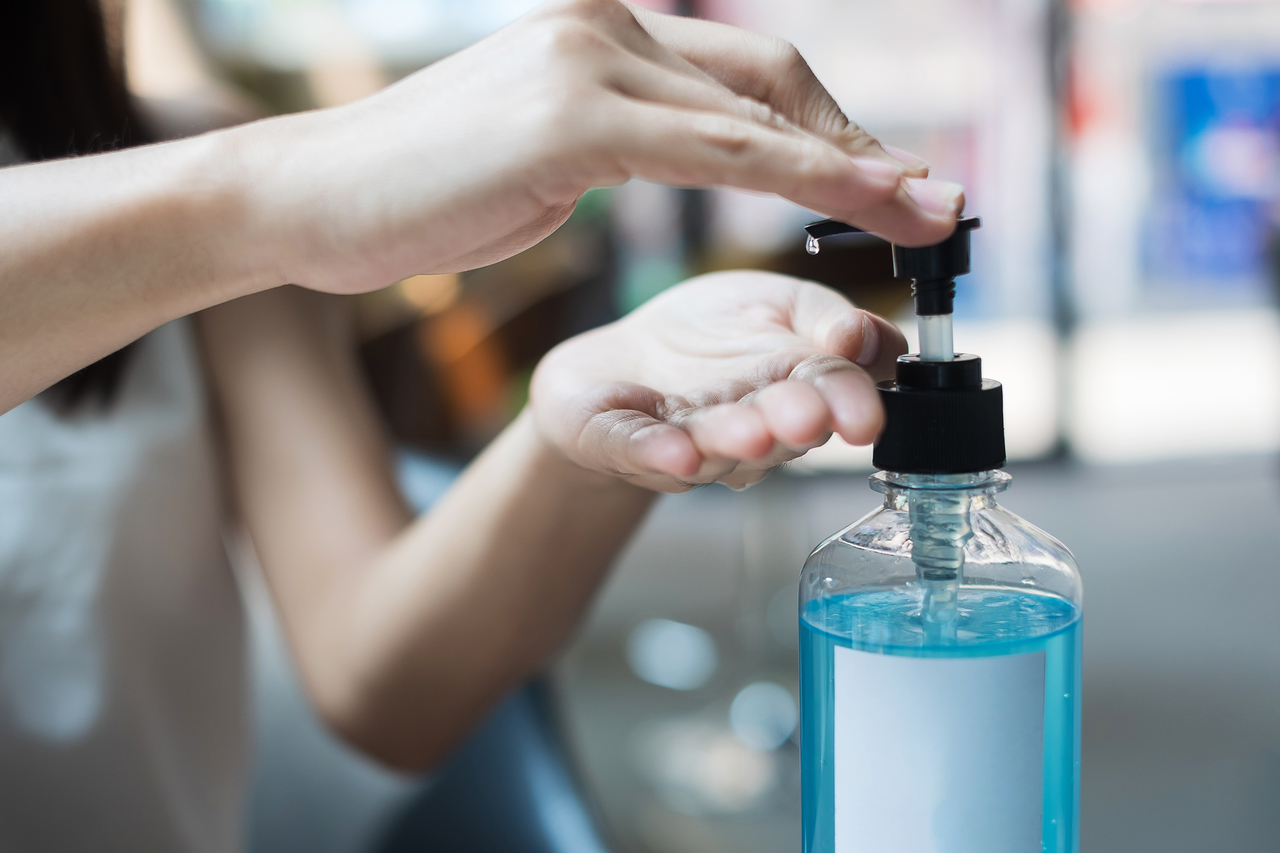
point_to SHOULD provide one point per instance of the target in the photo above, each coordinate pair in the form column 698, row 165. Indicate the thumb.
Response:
column 831, row 323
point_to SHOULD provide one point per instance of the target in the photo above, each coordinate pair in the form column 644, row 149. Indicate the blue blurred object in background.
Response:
column 1217, row 147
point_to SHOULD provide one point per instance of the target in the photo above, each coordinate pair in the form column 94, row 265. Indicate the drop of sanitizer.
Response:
column 811, row 245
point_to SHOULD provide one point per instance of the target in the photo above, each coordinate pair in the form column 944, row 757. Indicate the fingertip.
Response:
column 889, row 344
column 854, row 403
column 733, row 431
column 922, row 214
column 666, row 450
column 795, row 413
column 864, row 428
column 940, row 199
column 870, row 343
column 854, row 337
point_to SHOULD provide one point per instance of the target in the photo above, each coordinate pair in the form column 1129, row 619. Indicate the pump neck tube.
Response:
column 935, row 337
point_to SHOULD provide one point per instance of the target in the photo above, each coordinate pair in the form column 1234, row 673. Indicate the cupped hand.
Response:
column 483, row 154
column 718, row 379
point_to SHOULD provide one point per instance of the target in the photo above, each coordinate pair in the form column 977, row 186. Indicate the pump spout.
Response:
column 932, row 270
column 828, row 227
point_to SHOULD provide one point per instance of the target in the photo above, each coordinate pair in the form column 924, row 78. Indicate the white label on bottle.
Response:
column 938, row 755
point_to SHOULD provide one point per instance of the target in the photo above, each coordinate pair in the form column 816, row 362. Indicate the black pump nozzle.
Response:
column 932, row 269
column 941, row 416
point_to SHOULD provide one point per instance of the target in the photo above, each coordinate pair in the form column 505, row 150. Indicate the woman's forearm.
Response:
column 404, row 631
column 100, row 250
column 472, row 598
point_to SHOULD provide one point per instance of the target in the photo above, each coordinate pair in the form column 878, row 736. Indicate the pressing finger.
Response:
column 938, row 203
column 626, row 28
column 697, row 148
column 643, row 79
column 772, row 71
column 685, row 148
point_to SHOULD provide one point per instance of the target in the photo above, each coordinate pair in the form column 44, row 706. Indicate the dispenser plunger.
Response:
column 942, row 421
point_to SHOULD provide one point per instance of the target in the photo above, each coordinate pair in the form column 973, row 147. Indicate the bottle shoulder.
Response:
column 1004, row 549
column 998, row 534
column 1009, row 535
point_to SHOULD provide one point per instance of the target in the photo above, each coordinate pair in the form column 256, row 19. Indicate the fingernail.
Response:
column 906, row 158
column 870, row 342
column 878, row 170
column 939, row 198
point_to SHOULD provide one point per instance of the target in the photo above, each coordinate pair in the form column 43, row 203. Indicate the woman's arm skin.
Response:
column 407, row 631
column 468, row 161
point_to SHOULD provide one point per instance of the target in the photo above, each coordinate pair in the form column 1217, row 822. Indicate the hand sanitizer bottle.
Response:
column 940, row 635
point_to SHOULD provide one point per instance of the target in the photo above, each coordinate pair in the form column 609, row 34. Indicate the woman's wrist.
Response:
column 322, row 201
column 106, row 248
column 209, row 236
column 248, row 168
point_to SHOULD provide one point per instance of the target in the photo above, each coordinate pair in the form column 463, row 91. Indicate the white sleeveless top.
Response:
column 123, row 705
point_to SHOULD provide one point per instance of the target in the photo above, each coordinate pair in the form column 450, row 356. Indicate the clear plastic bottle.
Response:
column 940, row 635
column 940, row 706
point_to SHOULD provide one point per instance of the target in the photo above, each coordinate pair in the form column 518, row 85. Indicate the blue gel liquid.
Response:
column 991, row 622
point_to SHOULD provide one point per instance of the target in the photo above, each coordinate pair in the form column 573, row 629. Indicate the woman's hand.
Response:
column 718, row 379
column 485, row 153
column 464, row 163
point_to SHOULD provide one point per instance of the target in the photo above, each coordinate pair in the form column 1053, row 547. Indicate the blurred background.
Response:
column 1125, row 158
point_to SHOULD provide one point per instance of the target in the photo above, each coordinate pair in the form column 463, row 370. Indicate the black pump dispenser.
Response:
column 941, row 416
column 932, row 269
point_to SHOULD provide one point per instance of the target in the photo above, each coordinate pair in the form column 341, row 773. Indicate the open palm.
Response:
column 718, row 379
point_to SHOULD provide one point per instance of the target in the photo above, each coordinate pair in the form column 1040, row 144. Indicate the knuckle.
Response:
column 787, row 59
column 588, row 10
column 596, row 7
column 569, row 38
column 817, row 366
column 722, row 133
column 812, row 165
column 856, row 138
column 762, row 113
